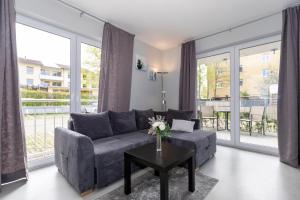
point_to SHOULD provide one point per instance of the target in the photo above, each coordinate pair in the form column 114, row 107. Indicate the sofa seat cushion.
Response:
column 111, row 150
column 198, row 139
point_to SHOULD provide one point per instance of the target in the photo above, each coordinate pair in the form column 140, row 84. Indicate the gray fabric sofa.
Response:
column 86, row 163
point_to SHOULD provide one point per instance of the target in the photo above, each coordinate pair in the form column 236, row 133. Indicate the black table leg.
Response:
column 127, row 175
column 164, row 185
column 191, row 169
column 156, row 172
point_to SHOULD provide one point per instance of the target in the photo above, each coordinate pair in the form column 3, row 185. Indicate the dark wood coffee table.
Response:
column 170, row 157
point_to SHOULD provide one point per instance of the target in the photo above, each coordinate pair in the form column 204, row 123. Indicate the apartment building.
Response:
column 49, row 76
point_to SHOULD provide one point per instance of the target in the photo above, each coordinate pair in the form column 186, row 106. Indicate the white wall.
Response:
column 171, row 64
column 144, row 93
column 171, row 57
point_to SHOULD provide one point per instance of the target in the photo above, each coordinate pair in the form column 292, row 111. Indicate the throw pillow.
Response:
column 95, row 126
column 142, row 118
column 122, row 122
column 178, row 114
column 183, row 125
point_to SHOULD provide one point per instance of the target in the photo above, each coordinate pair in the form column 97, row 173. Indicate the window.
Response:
column 219, row 72
column 261, row 88
column 241, row 82
column 213, row 92
column 45, row 72
column 29, row 70
column 242, row 111
column 265, row 73
column 43, row 108
column 44, row 84
column 90, row 74
column 55, row 79
column 220, row 84
column 56, row 74
column 241, row 68
column 29, row 82
column 58, row 84
column 265, row 58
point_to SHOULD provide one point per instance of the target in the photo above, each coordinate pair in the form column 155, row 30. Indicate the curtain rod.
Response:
column 237, row 26
column 246, row 23
column 82, row 12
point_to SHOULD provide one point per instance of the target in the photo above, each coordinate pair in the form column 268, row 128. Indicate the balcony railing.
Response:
column 268, row 105
column 40, row 120
column 51, row 77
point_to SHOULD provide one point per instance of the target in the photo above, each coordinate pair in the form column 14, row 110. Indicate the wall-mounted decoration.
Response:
column 141, row 63
column 152, row 75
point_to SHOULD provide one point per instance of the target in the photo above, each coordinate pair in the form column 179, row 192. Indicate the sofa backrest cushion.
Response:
column 95, row 126
column 122, row 122
column 178, row 114
column 142, row 118
column 160, row 113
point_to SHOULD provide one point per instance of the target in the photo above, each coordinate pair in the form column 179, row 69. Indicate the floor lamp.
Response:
column 163, row 92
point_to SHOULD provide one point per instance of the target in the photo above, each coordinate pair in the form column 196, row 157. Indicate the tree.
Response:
column 93, row 56
column 90, row 70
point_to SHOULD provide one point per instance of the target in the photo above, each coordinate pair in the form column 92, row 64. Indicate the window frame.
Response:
column 230, row 51
column 31, row 70
column 235, row 90
column 90, row 42
column 75, row 64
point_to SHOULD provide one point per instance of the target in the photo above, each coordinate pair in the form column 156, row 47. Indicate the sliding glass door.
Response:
column 214, row 94
column 237, row 90
column 58, row 74
column 258, row 74
column 90, row 75
column 44, row 76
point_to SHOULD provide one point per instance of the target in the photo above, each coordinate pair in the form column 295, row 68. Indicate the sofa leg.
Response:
column 83, row 194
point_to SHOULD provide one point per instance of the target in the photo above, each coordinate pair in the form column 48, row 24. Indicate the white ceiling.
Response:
column 167, row 23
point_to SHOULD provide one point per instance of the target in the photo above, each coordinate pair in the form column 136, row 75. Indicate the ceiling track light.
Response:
column 81, row 13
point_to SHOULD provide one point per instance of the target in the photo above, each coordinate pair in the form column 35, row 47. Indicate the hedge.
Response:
column 40, row 94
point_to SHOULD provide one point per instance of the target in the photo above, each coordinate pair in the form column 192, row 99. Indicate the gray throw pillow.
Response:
column 178, row 114
column 95, row 126
column 122, row 122
column 142, row 118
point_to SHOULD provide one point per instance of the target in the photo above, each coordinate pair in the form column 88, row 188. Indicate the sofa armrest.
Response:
column 197, row 124
column 74, row 158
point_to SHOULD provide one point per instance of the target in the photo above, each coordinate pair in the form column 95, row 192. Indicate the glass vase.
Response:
column 158, row 143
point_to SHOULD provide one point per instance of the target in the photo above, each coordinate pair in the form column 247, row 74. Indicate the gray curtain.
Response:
column 12, row 145
column 289, row 89
column 187, row 85
column 116, row 69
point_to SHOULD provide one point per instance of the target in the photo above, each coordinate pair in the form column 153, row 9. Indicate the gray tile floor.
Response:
column 242, row 176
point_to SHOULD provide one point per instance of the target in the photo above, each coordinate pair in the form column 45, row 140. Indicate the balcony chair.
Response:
column 207, row 113
column 256, row 115
column 271, row 116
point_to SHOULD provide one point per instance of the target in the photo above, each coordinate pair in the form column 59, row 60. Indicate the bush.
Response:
column 41, row 94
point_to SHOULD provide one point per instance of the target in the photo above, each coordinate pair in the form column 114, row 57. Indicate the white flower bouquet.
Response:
column 159, row 127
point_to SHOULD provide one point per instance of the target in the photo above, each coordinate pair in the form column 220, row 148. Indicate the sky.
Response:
column 40, row 45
